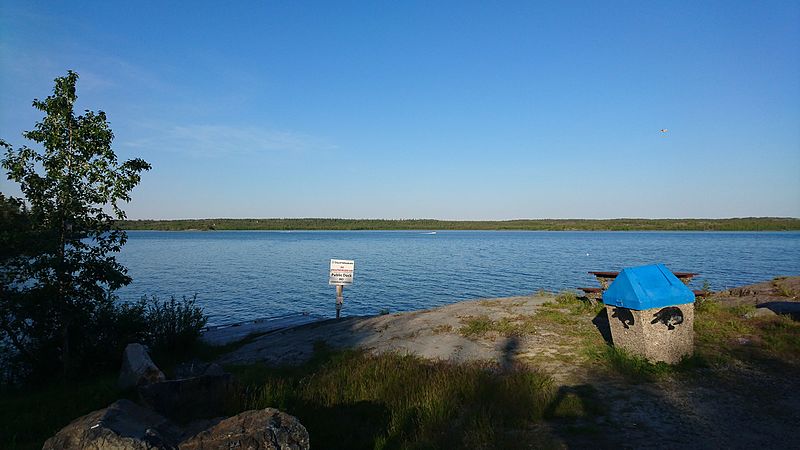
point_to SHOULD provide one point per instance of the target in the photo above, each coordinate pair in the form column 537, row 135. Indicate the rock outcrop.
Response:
column 137, row 368
column 123, row 425
column 260, row 429
column 195, row 399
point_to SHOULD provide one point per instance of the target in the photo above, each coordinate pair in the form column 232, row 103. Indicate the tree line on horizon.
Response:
column 732, row 224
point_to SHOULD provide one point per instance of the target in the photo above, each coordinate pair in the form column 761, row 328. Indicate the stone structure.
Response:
column 659, row 334
column 651, row 313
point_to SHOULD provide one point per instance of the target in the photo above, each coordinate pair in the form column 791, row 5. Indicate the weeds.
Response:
column 571, row 316
column 574, row 402
column 482, row 325
column 782, row 289
column 725, row 333
column 637, row 369
column 354, row 400
column 443, row 328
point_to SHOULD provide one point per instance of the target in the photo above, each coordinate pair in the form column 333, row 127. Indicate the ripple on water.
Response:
column 244, row 275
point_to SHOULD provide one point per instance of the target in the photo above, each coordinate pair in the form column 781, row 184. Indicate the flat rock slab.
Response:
column 226, row 334
column 781, row 289
column 431, row 334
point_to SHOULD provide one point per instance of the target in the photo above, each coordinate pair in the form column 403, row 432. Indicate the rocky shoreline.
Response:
column 733, row 404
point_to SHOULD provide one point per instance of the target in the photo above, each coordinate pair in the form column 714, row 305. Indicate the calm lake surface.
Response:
column 239, row 275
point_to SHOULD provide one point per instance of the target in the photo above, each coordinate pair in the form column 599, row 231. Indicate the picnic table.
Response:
column 605, row 279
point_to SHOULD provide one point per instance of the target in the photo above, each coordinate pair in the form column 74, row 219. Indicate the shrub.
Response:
column 168, row 327
column 172, row 325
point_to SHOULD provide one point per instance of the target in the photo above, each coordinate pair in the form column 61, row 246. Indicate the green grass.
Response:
column 724, row 334
column 354, row 400
column 780, row 286
column 570, row 316
column 575, row 402
column 480, row 326
column 637, row 369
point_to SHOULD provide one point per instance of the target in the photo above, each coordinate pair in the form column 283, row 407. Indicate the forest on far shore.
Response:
column 734, row 224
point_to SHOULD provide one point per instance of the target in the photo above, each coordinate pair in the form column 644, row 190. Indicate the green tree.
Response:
column 73, row 188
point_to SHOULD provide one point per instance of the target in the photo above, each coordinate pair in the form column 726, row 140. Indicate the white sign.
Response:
column 342, row 272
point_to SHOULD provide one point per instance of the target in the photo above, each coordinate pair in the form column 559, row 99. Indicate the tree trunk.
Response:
column 62, row 270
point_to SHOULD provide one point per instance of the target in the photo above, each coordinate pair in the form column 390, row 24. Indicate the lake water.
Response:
column 239, row 275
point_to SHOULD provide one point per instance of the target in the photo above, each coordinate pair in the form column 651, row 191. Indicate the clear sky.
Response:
column 448, row 110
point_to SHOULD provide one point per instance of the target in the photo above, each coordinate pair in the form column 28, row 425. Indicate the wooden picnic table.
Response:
column 605, row 278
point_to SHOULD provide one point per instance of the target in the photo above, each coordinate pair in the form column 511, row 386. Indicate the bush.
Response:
column 172, row 325
column 168, row 327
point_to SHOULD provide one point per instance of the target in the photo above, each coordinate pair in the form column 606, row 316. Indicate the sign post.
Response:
column 341, row 275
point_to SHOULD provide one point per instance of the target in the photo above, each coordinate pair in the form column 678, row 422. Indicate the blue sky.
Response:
column 449, row 110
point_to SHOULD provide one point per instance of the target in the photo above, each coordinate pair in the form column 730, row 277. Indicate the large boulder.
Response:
column 123, row 425
column 137, row 368
column 257, row 429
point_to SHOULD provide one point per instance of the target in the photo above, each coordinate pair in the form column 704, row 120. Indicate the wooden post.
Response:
column 339, row 299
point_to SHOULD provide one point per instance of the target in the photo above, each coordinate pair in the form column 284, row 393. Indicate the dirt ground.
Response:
column 733, row 405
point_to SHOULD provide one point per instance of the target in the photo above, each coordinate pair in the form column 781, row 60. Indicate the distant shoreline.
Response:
column 733, row 224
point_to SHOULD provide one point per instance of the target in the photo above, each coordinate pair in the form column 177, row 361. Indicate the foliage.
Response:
column 31, row 414
column 17, row 235
column 52, row 293
column 173, row 326
column 734, row 224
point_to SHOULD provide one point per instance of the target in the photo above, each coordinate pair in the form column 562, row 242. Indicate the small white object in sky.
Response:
column 663, row 130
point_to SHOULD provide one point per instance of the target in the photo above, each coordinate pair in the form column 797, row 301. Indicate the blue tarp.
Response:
column 646, row 287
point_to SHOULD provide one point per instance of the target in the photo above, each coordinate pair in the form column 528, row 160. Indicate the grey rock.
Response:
column 759, row 312
column 123, row 425
column 257, row 429
column 137, row 368
column 784, row 307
